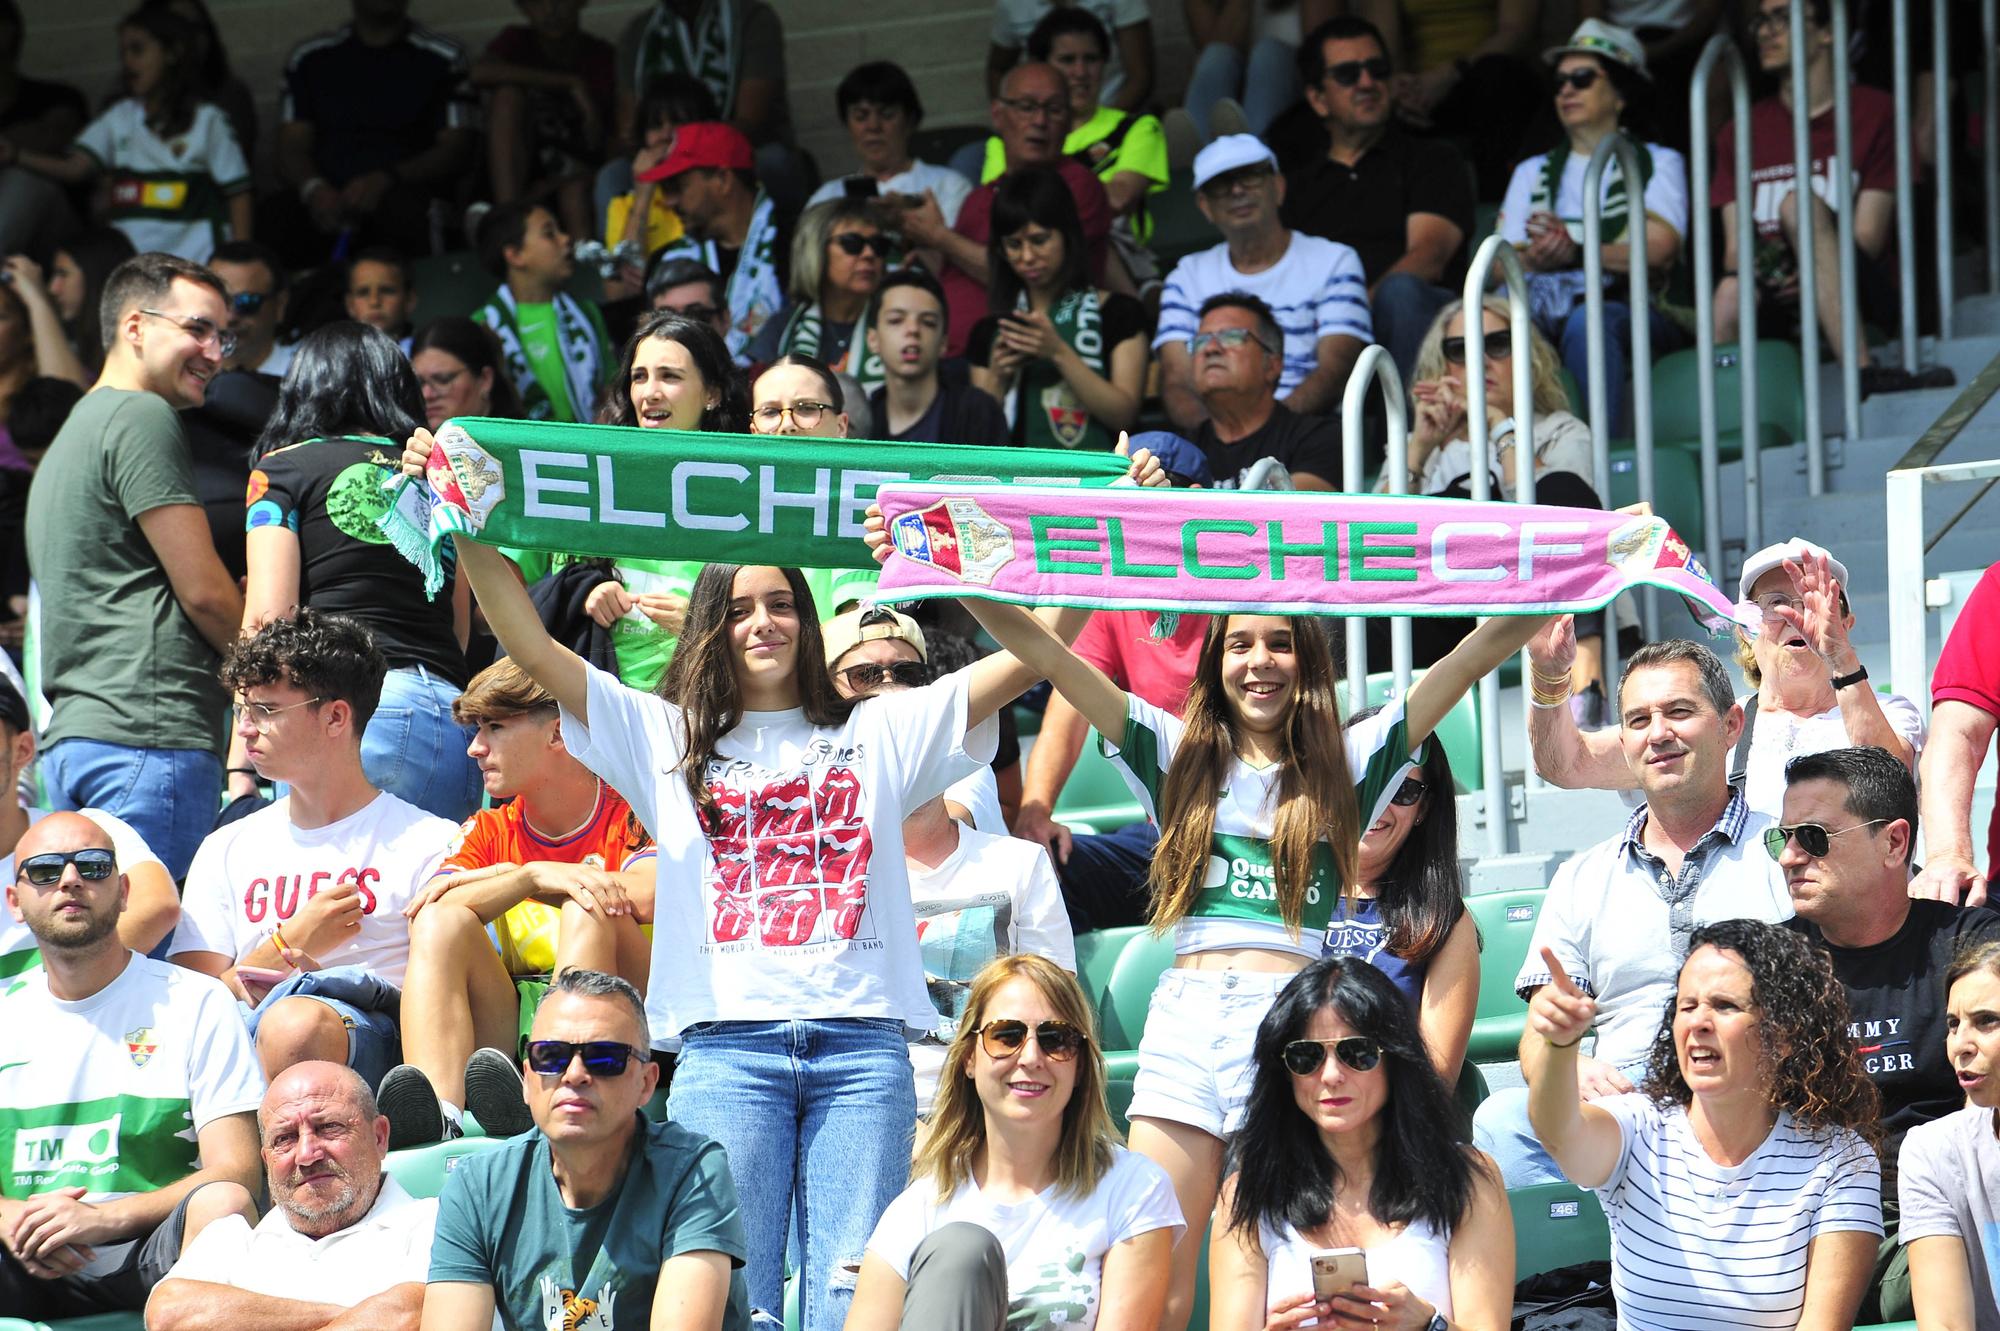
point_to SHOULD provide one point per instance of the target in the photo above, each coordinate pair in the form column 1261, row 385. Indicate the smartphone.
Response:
column 1336, row 1270
column 861, row 187
column 260, row 976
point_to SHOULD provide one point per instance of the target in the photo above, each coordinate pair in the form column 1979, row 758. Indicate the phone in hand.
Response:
column 1336, row 1270
column 261, row 976
column 861, row 187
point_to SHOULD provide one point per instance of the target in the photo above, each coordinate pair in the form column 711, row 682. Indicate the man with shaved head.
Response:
column 343, row 1248
column 126, row 1088
column 1032, row 117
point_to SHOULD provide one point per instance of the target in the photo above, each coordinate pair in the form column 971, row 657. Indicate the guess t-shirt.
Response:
column 794, row 899
column 254, row 875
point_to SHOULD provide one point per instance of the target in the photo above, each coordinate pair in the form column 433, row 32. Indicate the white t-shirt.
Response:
column 1666, row 192
column 1013, row 20
column 389, row 1246
column 947, row 185
column 1694, row 1243
column 1779, row 737
column 1948, row 1181
column 108, row 1093
column 797, row 904
column 994, row 896
column 18, row 949
column 1055, row 1244
column 1418, row 1258
column 1317, row 290
column 979, row 795
column 1562, row 443
column 168, row 194
column 252, row 876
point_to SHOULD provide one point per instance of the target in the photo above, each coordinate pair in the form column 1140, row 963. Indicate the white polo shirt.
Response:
column 389, row 1246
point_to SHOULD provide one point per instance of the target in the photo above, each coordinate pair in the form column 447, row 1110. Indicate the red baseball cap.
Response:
column 705, row 143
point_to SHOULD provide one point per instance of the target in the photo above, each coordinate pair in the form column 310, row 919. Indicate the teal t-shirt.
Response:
column 541, row 343
column 501, row 1222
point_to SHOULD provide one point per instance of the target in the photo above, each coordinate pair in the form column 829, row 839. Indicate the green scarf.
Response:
column 707, row 51
column 754, row 292
column 616, row 492
column 1617, row 208
column 580, row 339
column 802, row 335
column 1053, row 416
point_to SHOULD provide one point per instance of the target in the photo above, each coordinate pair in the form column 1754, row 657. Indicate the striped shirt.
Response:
column 1317, row 290
column 1695, row 1244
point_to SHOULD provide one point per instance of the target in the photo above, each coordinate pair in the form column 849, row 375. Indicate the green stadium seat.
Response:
column 1578, row 405
column 422, row 1169
column 1118, row 969
column 1781, row 399
column 1676, row 486
column 1471, row 1092
column 449, row 284
column 1506, row 923
column 1556, row 1225
column 1179, row 229
column 95, row 1322
column 939, row 143
column 1096, row 798
column 1458, row 732
column 531, row 992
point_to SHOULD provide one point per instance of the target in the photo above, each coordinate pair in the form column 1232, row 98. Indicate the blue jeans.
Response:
column 1403, row 309
column 816, row 1118
column 367, row 1005
column 1265, row 84
column 1500, row 1127
column 169, row 796
column 1573, row 340
column 415, row 751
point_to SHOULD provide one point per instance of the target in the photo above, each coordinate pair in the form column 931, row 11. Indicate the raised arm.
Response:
column 1583, row 1139
column 1566, row 755
column 1482, row 652
column 1037, row 649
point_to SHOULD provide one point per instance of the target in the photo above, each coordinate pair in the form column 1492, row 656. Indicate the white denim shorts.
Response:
column 1195, row 1059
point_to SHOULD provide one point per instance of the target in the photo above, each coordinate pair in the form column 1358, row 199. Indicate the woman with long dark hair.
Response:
column 1741, row 1179
column 462, row 371
column 1342, row 1147
column 315, row 494
column 1025, row 1209
column 1406, row 915
column 1066, row 359
column 214, row 81
column 77, row 273
column 1255, row 776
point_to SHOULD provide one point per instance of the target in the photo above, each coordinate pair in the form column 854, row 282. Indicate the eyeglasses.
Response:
column 868, row 676
column 601, row 1058
column 263, row 716
column 1771, row 18
column 1812, row 838
column 1238, row 182
column 1348, row 72
column 1580, row 79
column 1229, row 339
column 1409, row 792
column 853, row 242
column 1357, row 1052
column 247, row 303
column 443, row 381
column 1028, row 106
column 92, row 864
column 201, row 330
column 767, row 418
column 1770, row 603
column 1058, row 1040
column 1498, row 347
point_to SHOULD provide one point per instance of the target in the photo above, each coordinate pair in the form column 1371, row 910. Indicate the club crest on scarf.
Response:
column 958, row 537
column 464, row 475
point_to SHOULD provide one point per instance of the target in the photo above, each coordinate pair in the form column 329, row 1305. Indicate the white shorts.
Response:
column 1195, row 1059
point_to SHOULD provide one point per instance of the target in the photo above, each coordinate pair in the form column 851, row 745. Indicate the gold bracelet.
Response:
column 1563, row 679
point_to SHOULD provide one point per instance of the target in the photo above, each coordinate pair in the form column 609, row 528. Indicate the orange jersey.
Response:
column 611, row 838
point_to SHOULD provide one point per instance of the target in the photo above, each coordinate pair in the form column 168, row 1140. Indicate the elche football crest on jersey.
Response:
column 141, row 1046
column 1068, row 420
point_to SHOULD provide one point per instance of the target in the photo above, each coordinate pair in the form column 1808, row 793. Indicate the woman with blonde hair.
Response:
column 839, row 256
column 1024, row 1209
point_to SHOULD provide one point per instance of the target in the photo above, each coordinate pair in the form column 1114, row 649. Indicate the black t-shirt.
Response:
column 1368, row 205
column 36, row 98
column 220, row 434
column 372, row 107
column 329, row 492
column 959, row 414
column 1301, row 443
column 1896, row 1001
column 1122, row 316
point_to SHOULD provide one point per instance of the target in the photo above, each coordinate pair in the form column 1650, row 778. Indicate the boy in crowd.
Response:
column 381, row 294
column 913, row 404
column 558, row 352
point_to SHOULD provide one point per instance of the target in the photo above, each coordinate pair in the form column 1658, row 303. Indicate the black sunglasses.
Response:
column 870, row 675
column 1305, row 1057
column 1580, row 79
column 1348, row 72
column 601, row 1058
column 1498, row 347
column 248, row 302
column 1813, row 839
column 92, row 863
column 1058, row 1040
column 853, row 242
column 1409, row 792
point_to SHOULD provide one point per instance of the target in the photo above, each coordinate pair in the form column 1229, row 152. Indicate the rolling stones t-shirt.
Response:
column 794, row 899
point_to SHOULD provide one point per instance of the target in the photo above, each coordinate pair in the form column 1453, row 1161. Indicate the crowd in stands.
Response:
column 307, row 865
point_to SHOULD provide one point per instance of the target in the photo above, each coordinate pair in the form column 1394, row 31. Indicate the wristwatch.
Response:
column 1438, row 1323
column 1846, row 681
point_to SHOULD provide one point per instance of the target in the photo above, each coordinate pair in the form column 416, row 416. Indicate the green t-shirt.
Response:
column 644, row 648
column 120, row 661
column 541, row 343
column 501, row 1222
column 1143, row 149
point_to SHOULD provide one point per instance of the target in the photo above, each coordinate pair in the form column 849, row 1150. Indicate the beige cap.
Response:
column 843, row 633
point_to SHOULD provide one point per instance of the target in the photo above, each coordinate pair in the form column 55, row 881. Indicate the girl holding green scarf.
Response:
column 1600, row 77
column 839, row 256
column 1066, row 360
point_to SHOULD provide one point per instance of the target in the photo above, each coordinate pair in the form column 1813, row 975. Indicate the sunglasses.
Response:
column 1058, row 1040
column 1498, row 347
column 869, row 675
column 1409, row 792
column 1580, row 79
column 92, row 864
column 1348, row 72
column 1357, row 1052
column 247, row 303
column 1812, row 838
column 601, row 1058
column 853, row 242
column 1229, row 339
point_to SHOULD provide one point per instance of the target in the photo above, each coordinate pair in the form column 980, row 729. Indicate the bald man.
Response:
column 1032, row 117
column 343, row 1248
column 106, row 1061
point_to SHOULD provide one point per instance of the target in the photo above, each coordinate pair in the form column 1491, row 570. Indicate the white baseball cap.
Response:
column 1231, row 152
column 1774, row 556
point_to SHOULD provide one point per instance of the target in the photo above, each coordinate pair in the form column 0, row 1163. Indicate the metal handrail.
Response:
column 1843, row 206
column 1906, row 202
column 1807, row 249
column 1495, row 250
column 1721, row 51
column 1618, row 144
column 1375, row 365
column 1941, row 136
column 1989, row 142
